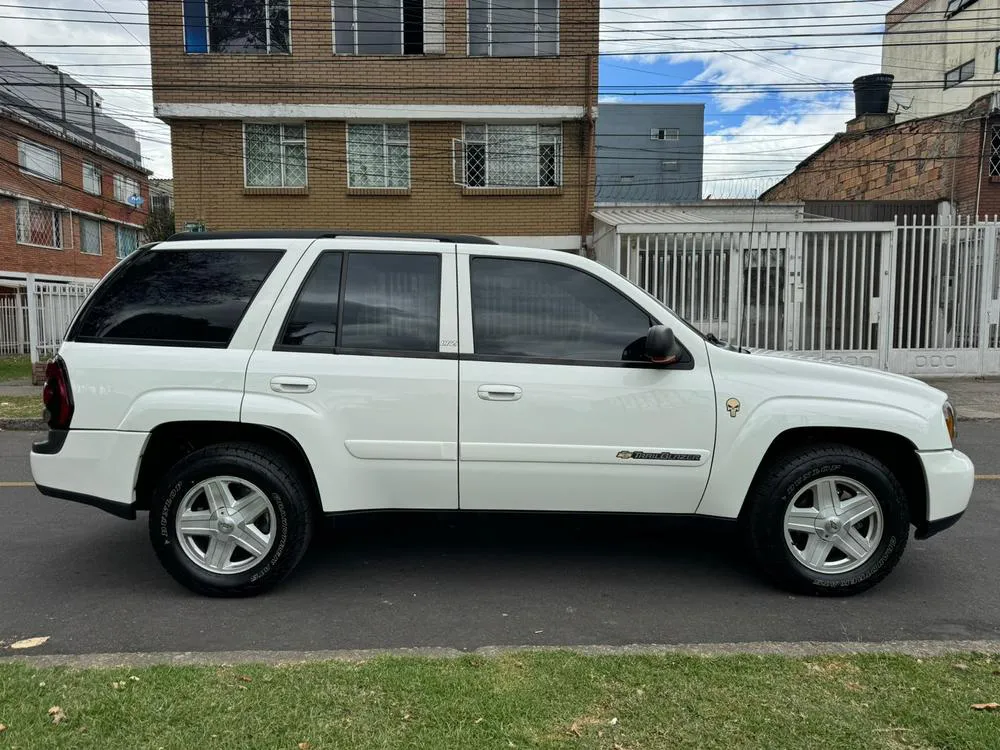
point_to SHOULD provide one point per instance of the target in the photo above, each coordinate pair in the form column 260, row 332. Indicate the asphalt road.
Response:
column 90, row 582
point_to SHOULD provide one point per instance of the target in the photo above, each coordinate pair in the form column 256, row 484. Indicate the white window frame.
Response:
column 304, row 141
column 267, row 30
column 664, row 134
column 23, row 144
column 958, row 70
column 100, row 237
column 489, row 31
column 57, row 224
column 994, row 162
column 118, row 244
column 385, row 156
column 96, row 172
column 354, row 30
column 120, row 183
column 557, row 141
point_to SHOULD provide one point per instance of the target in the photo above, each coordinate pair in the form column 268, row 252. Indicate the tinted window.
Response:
column 526, row 308
column 190, row 297
column 313, row 320
column 392, row 301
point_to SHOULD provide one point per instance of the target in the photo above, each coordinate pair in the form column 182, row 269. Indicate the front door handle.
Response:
column 499, row 392
column 289, row 384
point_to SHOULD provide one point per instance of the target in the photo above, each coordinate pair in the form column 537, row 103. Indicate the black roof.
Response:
column 317, row 234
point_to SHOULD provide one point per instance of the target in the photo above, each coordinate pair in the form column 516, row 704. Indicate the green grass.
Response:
column 542, row 700
column 21, row 407
column 15, row 368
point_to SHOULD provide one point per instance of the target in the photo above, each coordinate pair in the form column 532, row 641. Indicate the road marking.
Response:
column 17, row 484
column 988, row 477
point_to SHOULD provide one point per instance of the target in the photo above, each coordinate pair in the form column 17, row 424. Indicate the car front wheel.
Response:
column 230, row 520
column 827, row 520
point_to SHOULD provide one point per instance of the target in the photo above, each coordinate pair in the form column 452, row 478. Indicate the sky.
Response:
column 764, row 110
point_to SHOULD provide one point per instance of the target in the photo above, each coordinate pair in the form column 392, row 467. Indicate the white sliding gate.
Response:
column 917, row 298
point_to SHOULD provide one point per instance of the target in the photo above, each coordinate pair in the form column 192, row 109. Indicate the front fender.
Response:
column 743, row 441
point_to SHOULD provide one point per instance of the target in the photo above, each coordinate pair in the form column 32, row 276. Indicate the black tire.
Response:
column 264, row 468
column 763, row 520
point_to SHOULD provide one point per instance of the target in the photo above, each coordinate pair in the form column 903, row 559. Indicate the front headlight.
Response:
column 949, row 419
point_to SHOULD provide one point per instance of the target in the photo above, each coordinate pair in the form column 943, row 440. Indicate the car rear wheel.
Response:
column 827, row 520
column 230, row 520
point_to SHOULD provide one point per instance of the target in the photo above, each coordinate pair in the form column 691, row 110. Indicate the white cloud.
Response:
column 119, row 75
column 743, row 160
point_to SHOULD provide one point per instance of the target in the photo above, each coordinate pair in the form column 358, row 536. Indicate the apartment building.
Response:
column 471, row 116
column 650, row 153
column 73, row 193
column 943, row 54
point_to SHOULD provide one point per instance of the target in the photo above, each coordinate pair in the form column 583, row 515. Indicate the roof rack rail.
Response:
column 318, row 234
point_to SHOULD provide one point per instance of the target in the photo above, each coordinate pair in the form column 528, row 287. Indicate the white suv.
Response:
column 240, row 385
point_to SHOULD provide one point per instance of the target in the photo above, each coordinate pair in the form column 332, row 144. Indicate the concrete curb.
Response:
column 25, row 425
column 278, row 658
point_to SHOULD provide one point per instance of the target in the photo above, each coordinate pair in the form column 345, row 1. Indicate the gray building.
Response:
column 650, row 153
column 45, row 96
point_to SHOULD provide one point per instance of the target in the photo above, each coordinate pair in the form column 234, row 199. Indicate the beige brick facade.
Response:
column 208, row 152
column 943, row 158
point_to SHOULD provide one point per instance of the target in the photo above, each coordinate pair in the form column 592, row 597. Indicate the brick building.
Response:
column 469, row 116
column 952, row 158
column 68, row 174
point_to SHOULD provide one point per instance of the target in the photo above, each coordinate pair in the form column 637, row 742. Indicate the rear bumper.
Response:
column 949, row 477
column 94, row 467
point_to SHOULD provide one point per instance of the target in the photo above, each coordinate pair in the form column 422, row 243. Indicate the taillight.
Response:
column 57, row 396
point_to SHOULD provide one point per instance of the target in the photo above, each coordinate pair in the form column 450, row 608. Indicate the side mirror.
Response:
column 660, row 345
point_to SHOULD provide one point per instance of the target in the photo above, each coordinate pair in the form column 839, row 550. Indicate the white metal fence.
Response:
column 35, row 312
column 917, row 298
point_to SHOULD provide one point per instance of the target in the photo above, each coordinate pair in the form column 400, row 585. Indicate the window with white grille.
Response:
column 39, row 161
column 38, row 225
column 510, row 156
column 378, row 155
column 664, row 134
column 513, row 28
column 91, row 178
column 378, row 27
column 274, row 154
column 125, row 188
column 127, row 241
column 90, row 236
column 995, row 152
column 248, row 27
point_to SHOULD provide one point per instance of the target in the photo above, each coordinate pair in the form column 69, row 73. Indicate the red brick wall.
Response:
column 902, row 10
column 931, row 159
column 69, row 194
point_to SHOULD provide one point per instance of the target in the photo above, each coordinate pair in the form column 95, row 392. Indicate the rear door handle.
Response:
column 499, row 392
column 289, row 384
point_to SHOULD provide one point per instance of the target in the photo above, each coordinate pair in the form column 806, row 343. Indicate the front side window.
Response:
column 90, row 236
column 963, row 72
column 526, row 308
column 91, row 178
column 39, row 161
column 513, row 28
column 127, row 241
column 378, row 27
column 378, row 155
column 125, row 188
column 179, row 297
column 385, row 302
column 38, row 225
column 249, row 27
column 511, row 156
column 274, row 154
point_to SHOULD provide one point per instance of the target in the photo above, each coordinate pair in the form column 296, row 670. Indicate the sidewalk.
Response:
column 973, row 398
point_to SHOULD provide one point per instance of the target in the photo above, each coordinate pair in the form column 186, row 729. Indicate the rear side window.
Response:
column 380, row 302
column 175, row 297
